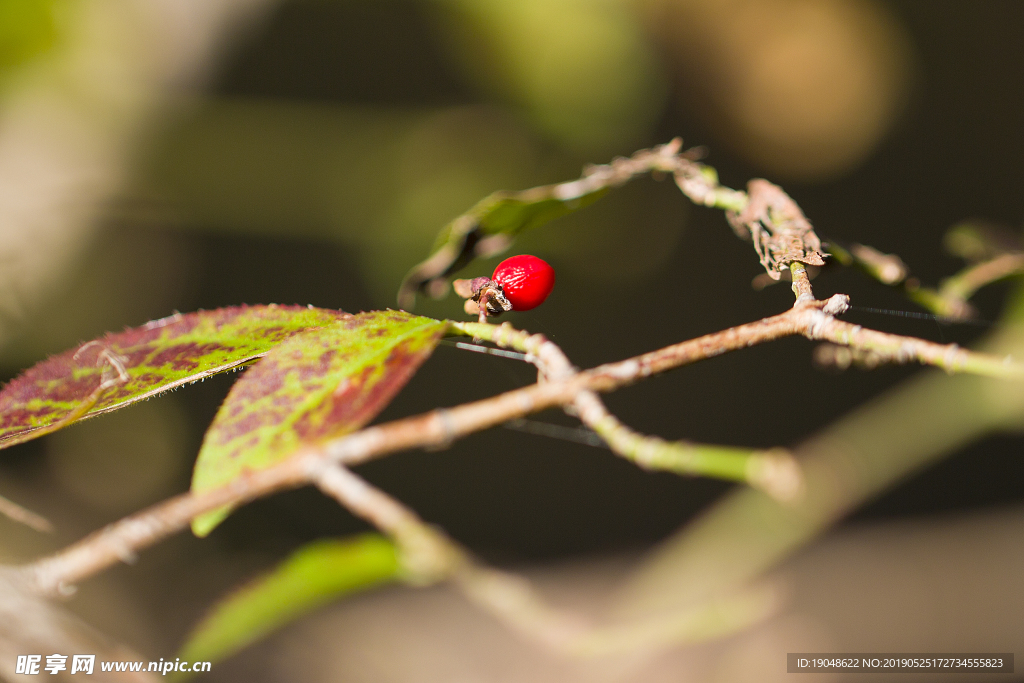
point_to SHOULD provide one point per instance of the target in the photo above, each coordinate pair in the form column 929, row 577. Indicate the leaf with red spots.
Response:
column 124, row 367
column 319, row 384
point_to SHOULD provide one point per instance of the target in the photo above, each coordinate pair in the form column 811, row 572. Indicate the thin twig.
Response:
column 964, row 284
column 889, row 269
column 121, row 541
column 429, row 556
column 19, row 514
column 950, row 299
column 801, row 283
column 774, row 471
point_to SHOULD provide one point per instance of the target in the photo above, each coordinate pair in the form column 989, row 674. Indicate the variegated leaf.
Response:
column 319, row 384
column 123, row 367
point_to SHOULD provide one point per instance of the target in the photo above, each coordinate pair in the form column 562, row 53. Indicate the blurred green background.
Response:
column 175, row 156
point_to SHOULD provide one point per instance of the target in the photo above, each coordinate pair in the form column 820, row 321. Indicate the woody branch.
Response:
column 813, row 319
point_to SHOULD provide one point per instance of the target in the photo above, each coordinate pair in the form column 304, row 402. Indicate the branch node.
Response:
column 777, row 473
column 836, row 305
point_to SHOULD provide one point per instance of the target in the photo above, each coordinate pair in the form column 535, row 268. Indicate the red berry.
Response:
column 526, row 280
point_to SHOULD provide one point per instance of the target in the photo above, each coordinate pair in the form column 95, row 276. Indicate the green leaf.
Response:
column 491, row 226
column 313, row 576
column 142, row 362
column 317, row 385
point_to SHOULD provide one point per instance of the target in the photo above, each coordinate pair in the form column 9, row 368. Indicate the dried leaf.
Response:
column 780, row 231
column 120, row 368
column 319, row 384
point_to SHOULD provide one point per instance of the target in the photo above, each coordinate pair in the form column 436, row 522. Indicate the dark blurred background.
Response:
column 311, row 156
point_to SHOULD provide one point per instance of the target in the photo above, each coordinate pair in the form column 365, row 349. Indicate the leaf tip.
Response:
column 205, row 523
